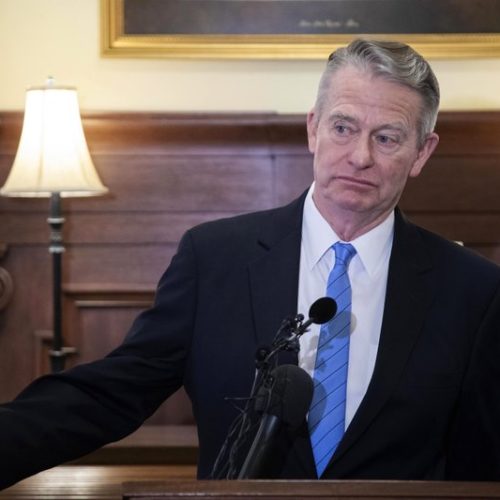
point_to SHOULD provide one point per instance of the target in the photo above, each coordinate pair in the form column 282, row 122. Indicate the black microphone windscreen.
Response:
column 323, row 310
column 289, row 396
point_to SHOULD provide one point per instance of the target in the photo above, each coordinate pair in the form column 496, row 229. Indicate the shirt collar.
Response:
column 373, row 248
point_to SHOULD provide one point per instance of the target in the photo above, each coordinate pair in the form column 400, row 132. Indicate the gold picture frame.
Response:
column 115, row 42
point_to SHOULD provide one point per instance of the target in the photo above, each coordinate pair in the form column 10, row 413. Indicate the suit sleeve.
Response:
column 474, row 441
column 61, row 417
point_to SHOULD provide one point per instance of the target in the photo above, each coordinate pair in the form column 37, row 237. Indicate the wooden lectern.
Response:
column 309, row 490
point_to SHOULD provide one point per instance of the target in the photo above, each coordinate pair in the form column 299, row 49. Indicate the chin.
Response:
column 351, row 203
column 344, row 200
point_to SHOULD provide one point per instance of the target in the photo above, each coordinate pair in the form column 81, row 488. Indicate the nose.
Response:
column 361, row 155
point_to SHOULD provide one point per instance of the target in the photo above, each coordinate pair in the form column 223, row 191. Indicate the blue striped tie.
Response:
column 327, row 412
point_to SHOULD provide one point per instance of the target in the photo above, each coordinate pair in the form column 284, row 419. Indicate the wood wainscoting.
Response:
column 168, row 172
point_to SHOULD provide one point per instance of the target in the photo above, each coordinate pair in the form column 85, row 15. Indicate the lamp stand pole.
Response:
column 56, row 248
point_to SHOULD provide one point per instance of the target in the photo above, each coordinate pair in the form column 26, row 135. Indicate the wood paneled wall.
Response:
column 167, row 172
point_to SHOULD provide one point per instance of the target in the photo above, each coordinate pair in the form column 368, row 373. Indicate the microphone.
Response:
column 321, row 311
column 283, row 402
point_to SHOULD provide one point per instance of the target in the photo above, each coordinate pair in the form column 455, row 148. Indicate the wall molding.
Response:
column 6, row 283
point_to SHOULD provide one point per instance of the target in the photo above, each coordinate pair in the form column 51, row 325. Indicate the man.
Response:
column 423, row 314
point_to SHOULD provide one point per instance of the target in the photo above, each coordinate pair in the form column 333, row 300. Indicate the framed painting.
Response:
column 292, row 29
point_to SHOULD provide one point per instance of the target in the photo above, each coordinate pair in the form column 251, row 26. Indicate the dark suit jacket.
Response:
column 432, row 409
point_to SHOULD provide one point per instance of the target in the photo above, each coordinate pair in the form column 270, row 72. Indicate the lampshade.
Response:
column 52, row 156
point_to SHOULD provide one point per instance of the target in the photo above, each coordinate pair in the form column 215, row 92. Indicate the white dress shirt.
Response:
column 367, row 272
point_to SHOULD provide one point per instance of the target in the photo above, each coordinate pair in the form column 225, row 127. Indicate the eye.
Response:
column 384, row 139
column 387, row 140
column 342, row 130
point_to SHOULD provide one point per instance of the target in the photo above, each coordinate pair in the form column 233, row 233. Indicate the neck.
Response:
column 350, row 225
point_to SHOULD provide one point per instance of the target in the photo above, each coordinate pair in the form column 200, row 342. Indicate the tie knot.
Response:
column 344, row 252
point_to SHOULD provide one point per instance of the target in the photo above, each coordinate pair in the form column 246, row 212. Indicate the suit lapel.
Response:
column 409, row 294
column 274, row 281
column 274, row 276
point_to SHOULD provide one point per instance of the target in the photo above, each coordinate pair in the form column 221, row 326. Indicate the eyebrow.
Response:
column 342, row 116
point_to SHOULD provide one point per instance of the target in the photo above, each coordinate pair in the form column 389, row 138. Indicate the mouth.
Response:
column 355, row 181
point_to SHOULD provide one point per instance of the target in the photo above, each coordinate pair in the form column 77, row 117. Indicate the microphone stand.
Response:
column 286, row 339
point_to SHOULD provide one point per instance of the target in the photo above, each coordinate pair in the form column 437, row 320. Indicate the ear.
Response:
column 424, row 153
column 312, row 129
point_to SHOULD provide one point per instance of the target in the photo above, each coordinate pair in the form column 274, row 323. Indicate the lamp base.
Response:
column 58, row 358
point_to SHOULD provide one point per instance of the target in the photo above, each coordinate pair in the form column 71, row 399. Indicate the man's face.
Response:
column 365, row 145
